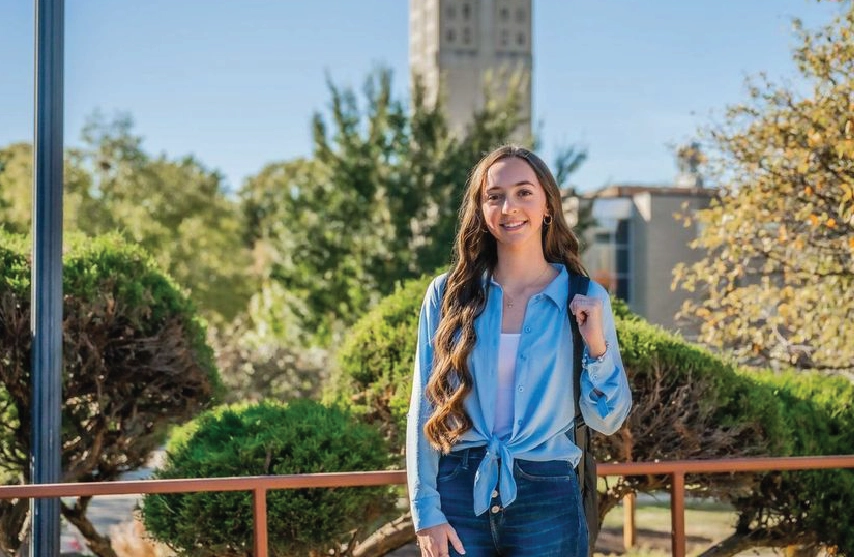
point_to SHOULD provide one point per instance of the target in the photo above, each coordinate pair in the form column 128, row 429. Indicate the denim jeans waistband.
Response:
column 472, row 454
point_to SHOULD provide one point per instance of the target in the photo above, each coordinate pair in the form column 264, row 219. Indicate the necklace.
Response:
column 509, row 299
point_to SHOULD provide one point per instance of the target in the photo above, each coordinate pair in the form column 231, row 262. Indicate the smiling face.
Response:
column 514, row 204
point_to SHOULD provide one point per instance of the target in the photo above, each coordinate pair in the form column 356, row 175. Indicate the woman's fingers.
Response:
column 455, row 541
column 425, row 543
column 583, row 307
column 434, row 541
column 588, row 313
column 428, row 546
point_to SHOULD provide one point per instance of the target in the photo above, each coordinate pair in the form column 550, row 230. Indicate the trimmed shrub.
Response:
column 374, row 372
column 268, row 438
column 688, row 404
column 135, row 361
column 621, row 310
column 806, row 507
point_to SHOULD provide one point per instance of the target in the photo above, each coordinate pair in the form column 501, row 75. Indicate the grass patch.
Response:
column 706, row 523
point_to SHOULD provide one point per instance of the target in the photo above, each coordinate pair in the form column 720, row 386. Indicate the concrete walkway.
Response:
column 107, row 511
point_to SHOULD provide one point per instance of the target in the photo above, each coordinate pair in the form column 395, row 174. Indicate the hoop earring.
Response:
column 547, row 220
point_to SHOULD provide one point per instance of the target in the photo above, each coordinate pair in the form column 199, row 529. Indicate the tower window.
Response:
column 451, row 35
column 520, row 15
column 505, row 37
column 466, row 11
column 451, row 11
column 466, row 35
column 520, row 39
column 505, row 14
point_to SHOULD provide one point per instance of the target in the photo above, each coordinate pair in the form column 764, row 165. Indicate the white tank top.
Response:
column 508, row 346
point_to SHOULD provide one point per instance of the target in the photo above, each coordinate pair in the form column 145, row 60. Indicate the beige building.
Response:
column 637, row 241
column 458, row 48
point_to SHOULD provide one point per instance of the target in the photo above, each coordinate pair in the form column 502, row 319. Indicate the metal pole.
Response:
column 259, row 513
column 630, row 528
column 46, row 301
column 677, row 510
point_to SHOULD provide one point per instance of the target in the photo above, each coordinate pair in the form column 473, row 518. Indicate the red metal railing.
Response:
column 259, row 485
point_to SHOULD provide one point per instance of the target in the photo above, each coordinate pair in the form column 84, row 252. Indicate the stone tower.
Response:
column 459, row 47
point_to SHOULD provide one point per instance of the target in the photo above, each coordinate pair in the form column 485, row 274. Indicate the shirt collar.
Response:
column 557, row 290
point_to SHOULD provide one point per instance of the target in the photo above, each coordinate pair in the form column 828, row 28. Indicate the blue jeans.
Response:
column 545, row 520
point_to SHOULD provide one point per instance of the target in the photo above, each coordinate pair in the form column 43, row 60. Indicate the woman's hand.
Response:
column 434, row 541
column 588, row 312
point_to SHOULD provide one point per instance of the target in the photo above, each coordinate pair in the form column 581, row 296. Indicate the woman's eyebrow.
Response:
column 516, row 185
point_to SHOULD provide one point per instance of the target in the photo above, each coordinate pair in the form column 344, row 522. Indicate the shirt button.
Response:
column 523, row 357
column 521, row 388
column 527, row 329
column 495, row 509
column 495, row 493
column 519, row 422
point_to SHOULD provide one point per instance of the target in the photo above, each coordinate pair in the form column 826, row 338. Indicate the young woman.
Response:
column 490, row 466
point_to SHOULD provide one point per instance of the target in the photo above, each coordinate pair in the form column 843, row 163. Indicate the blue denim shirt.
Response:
column 545, row 402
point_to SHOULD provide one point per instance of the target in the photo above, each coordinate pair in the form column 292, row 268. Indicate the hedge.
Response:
column 134, row 361
column 268, row 438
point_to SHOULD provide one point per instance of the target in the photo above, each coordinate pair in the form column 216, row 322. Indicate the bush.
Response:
column 134, row 361
column 688, row 404
column 374, row 372
column 263, row 353
column 814, row 506
column 267, row 438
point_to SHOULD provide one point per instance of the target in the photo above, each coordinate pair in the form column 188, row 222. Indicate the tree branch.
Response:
column 389, row 537
column 100, row 545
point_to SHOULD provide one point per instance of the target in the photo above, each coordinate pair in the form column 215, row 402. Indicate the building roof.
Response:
column 630, row 190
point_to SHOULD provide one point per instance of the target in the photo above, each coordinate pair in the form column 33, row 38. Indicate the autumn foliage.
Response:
column 775, row 284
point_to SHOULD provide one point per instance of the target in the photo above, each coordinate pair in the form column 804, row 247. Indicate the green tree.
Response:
column 16, row 189
column 567, row 161
column 376, row 204
column 263, row 352
column 293, row 221
column 774, row 284
column 177, row 210
column 135, row 361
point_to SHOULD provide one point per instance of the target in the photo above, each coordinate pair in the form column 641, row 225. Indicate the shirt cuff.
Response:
column 426, row 512
column 603, row 387
column 596, row 366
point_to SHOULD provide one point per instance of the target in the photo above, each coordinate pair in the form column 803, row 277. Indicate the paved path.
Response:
column 107, row 511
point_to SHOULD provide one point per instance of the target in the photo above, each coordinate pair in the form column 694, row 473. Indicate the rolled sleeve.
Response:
column 605, row 395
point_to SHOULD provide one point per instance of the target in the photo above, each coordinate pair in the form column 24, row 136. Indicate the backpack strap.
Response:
column 586, row 469
column 578, row 284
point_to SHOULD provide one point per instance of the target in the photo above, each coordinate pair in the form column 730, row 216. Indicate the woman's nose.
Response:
column 509, row 206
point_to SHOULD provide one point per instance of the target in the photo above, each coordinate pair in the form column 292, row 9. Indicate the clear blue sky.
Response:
column 235, row 82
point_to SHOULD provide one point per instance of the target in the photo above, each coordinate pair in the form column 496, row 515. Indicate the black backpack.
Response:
column 580, row 433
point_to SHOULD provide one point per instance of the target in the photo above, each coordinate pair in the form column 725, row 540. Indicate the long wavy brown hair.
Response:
column 464, row 299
